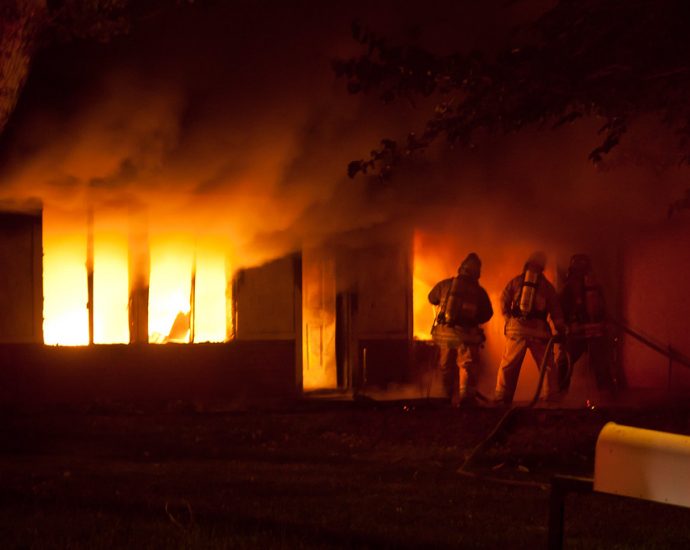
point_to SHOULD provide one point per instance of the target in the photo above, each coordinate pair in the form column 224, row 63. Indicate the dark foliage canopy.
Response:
column 28, row 25
column 617, row 60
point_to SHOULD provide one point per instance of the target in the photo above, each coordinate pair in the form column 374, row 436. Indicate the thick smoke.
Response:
column 536, row 191
column 226, row 122
column 223, row 118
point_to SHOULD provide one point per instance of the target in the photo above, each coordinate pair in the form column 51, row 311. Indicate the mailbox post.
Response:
column 631, row 462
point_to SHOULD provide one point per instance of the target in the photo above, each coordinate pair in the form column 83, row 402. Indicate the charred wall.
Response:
column 384, row 329
column 267, row 300
column 357, row 310
column 21, row 283
column 374, row 294
column 244, row 371
column 267, row 308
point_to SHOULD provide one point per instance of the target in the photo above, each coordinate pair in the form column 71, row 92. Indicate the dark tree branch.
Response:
column 613, row 59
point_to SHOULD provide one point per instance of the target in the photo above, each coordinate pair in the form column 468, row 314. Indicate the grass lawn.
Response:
column 312, row 475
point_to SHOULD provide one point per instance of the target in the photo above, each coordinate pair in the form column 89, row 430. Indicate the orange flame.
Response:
column 175, row 260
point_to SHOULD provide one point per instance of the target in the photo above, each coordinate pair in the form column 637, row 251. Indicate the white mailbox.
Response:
column 643, row 464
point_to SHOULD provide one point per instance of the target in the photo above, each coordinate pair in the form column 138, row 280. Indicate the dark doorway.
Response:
column 345, row 306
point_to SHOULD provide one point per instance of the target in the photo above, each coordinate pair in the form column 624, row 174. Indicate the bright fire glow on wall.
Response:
column 427, row 272
column 65, row 317
column 172, row 259
column 110, row 292
column 211, row 281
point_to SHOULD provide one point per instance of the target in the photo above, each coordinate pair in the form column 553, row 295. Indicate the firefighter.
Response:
column 463, row 305
column 526, row 303
column 582, row 301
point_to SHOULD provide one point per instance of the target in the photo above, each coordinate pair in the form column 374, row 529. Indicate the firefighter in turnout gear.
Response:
column 463, row 305
column 526, row 303
column 582, row 301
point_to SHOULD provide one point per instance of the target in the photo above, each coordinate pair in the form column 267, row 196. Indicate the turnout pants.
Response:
column 509, row 370
column 599, row 361
column 460, row 379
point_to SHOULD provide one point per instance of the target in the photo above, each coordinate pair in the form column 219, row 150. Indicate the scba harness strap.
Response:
column 455, row 336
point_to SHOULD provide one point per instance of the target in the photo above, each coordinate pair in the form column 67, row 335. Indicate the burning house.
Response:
column 333, row 317
column 178, row 222
column 96, row 314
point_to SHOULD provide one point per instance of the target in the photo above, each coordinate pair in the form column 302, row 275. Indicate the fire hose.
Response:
column 464, row 469
column 512, row 411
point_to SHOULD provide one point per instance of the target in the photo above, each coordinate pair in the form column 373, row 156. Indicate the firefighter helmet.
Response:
column 471, row 266
column 536, row 260
column 580, row 264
